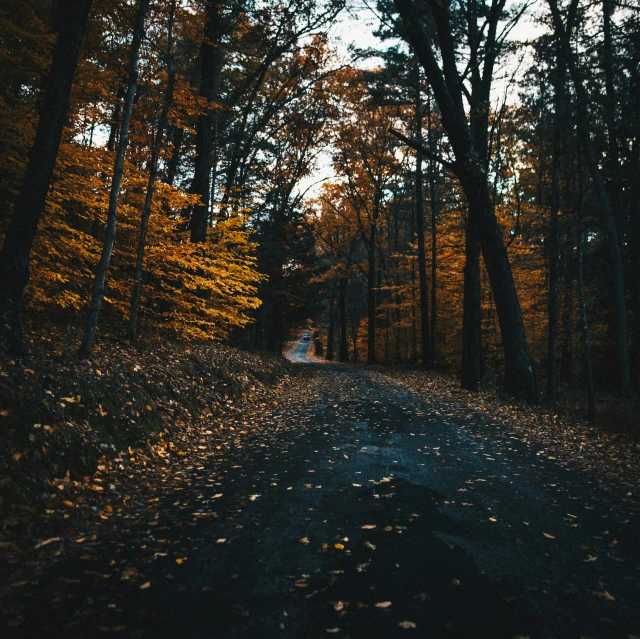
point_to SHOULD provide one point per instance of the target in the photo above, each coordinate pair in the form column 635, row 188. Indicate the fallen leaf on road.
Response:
column 304, row 540
column 407, row 625
column 383, row 604
column 145, row 585
column 46, row 542
column 368, row 527
column 548, row 536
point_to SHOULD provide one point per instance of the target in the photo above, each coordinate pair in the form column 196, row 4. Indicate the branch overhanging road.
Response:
column 361, row 511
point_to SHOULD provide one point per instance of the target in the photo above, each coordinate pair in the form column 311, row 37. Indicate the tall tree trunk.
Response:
column 371, row 297
column 434, row 265
column 566, row 358
column 132, row 331
column 97, row 292
column 71, row 21
column 354, row 337
column 331, row 328
column 343, row 352
column 422, row 260
column 471, row 327
column 613, row 162
column 605, row 209
column 209, row 61
column 519, row 376
column 588, row 374
column 553, row 240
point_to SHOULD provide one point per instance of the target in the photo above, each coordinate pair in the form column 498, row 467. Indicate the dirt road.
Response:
column 360, row 511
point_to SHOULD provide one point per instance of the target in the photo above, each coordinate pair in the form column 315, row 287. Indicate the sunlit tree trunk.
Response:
column 71, row 20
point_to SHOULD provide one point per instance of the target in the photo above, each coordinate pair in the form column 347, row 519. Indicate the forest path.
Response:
column 360, row 511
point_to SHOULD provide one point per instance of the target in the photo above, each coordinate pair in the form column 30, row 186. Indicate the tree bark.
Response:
column 588, row 373
column 343, row 352
column 471, row 326
column 209, row 59
column 422, row 260
column 434, row 264
column 553, row 240
column 71, row 21
column 132, row 330
column 331, row 329
column 97, row 292
column 371, row 296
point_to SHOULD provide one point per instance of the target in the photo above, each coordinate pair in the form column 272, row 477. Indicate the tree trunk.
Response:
column 371, row 298
column 71, row 21
column 519, row 376
column 566, row 358
column 434, row 266
column 613, row 162
column 343, row 353
column 553, row 240
column 132, row 331
column 422, row 260
column 209, row 59
column 331, row 329
column 471, row 327
column 97, row 292
column 588, row 374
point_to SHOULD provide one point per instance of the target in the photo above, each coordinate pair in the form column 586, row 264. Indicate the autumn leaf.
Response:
column 383, row 604
column 407, row 625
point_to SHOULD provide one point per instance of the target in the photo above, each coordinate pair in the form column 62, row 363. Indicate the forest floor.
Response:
column 320, row 500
